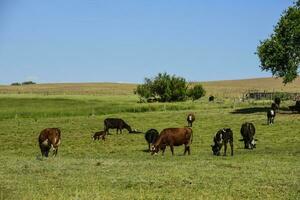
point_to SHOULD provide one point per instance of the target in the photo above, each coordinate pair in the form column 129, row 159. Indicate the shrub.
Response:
column 196, row 92
column 28, row 83
column 15, row 84
column 164, row 88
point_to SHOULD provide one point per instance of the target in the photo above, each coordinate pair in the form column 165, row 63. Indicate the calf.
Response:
column 211, row 98
column 248, row 132
column 173, row 137
column 49, row 138
column 221, row 138
column 271, row 116
column 99, row 134
column 190, row 119
column 151, row 137
column 116, row 123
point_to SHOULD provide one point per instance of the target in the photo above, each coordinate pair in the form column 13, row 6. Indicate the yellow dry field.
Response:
column 228, row 88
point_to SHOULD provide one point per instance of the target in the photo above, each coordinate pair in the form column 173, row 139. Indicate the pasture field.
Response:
column 121, row 168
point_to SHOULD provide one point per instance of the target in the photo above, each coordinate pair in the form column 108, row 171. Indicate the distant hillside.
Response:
column 227, row 88
column 238, row 87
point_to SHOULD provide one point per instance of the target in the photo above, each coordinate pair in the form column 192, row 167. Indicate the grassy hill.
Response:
column 229, row 88
column 121, row 168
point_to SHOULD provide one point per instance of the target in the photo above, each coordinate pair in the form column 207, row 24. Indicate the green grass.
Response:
column 119, row 168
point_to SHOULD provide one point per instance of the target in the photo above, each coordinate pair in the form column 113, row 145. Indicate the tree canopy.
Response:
column 167, row 88
column 280, row 53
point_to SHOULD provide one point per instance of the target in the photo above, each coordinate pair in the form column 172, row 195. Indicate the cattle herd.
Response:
column 50, row 138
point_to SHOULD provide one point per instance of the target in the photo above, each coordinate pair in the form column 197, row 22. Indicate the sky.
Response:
column 127, row 40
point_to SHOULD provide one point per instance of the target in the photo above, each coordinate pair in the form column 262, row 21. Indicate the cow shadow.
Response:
column 250, row 110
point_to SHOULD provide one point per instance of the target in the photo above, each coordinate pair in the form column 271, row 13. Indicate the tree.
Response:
column 167, row 88
column 196, row 92
column 280, row 53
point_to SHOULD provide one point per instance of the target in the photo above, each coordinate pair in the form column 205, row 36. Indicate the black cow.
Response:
column 151, row 137
column 271, row 116
column 274, row 106
column 221, row 138
column 277, row 100
column 248, row 132
column 211, row 98
column 116, row 123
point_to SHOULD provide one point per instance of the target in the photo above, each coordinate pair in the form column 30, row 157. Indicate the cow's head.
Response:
column 216, row 149
column 253, row 143
column 218, row 139
column 154, row 149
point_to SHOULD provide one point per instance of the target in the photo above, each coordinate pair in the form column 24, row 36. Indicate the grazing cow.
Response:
column 49, row 138
column 151, row 137
column 271, row 116
column 296, row 107
column 116, row 123
column 99, row 134
column 277, row 100
column 190, row 119
column 221, row 138
column 248, row 132
column 173, row 137
column 211, row 98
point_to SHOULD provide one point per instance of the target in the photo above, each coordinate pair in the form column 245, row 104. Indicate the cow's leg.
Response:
column 149, row 147
column 55, row 148
column 163, row 149
column 245, row 144
column 231, row 146
column 225, row 148
column 55, row 152
column 172, row 149
column 187, row 149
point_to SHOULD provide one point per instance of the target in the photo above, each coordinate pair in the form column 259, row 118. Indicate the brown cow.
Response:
column 99, row 134
column 173, row 137
column 49, row 137
column 190, row 119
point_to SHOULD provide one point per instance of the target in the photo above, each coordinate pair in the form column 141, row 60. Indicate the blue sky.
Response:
column 127, row 40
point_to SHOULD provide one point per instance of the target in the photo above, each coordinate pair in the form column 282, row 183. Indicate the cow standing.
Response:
column 248, row 132
column 221, row 138
column 190, row 119
column 49, row 138
column 211, row 98
column 277, row 100
column 151, row 137
column 173, row 137
column 271, row 116
column 116, row 123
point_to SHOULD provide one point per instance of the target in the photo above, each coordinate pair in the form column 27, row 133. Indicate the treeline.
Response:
column 167, row 88
column 24, row 83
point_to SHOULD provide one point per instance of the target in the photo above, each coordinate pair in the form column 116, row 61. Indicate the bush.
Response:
column 164, row 88
column 15, row 84
column 196, row 92
column 28, row 83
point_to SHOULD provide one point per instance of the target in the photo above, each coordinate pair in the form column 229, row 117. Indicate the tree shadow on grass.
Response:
column 250, row 110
